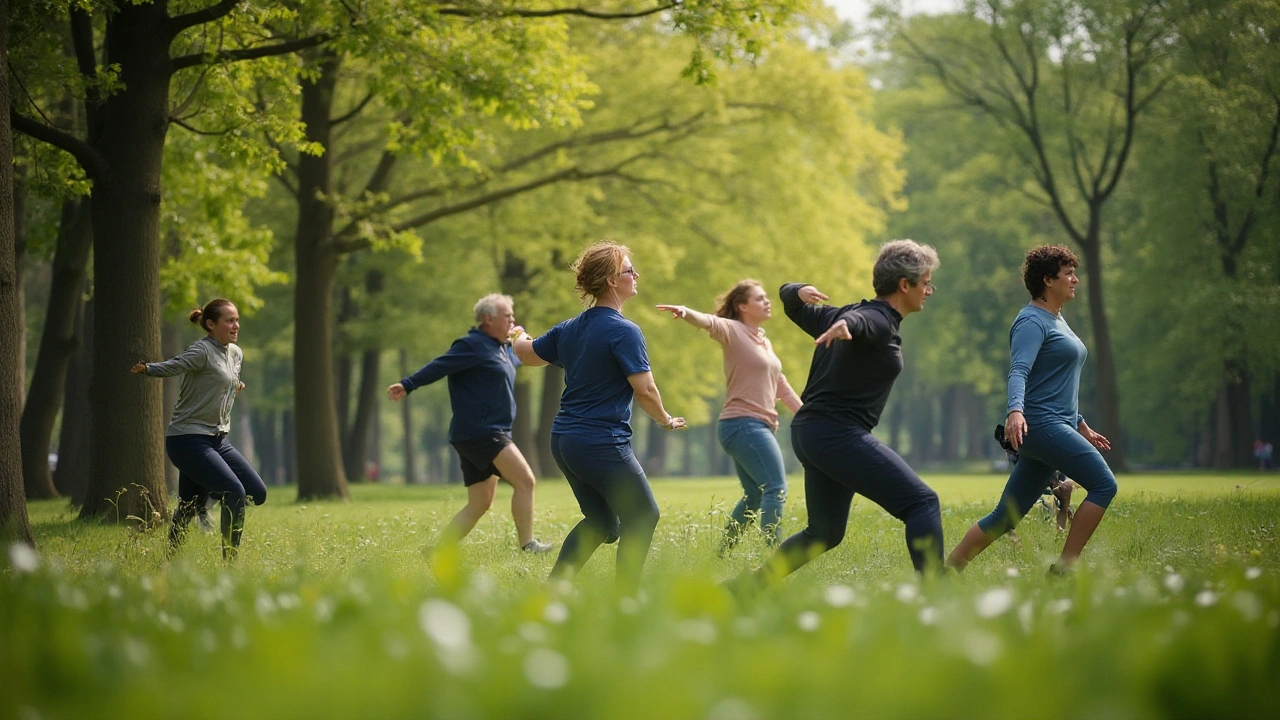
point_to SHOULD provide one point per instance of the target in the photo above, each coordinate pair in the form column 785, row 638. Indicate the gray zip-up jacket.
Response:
column 210, row 378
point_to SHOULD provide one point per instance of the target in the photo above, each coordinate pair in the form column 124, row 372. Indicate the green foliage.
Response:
column 335, row 611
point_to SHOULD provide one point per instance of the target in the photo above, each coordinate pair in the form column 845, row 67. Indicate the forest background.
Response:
column 354, row 175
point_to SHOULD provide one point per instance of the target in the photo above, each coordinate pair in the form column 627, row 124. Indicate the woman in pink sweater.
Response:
column 748, row 423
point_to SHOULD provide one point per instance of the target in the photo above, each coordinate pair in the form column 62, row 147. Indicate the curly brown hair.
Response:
column 211, row 312
column 593, row 268
column 727, row 304
column 1045, row 261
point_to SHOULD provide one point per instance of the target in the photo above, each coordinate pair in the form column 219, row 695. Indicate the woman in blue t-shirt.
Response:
column 1044, row 424
column 605, row 365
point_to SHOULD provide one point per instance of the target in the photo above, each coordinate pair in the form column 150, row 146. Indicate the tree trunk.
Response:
column 522, row 430
column 20, row 278
column 1269, row 413
column 127, row 473
column 552, row 387
column 320, row 470
column 897, row 418
column 170, row 345
column 1239, row 393
column 1108, row 386
column 72, row 476
column 242, row 434
column 374, row 454
column 356, row 450
column 406, row 418
column 14, row 523
column 57, row 343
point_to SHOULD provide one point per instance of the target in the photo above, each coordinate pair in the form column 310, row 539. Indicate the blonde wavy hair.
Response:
column 593, row 268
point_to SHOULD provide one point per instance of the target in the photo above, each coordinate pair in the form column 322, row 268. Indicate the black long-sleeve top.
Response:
column 849, row 380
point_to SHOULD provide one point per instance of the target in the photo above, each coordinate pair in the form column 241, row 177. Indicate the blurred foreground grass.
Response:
column 339, row 610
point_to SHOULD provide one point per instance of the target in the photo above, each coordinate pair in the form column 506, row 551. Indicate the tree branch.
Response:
column 89, row 158
column 555, row 12
column 284, row 48
column 353, row 112
column 176, row 25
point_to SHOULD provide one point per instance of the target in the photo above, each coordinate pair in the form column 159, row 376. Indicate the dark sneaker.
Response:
column 537, row 548
column 202, row 519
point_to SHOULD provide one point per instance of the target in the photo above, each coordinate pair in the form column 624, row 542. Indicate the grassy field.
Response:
column 339, row 610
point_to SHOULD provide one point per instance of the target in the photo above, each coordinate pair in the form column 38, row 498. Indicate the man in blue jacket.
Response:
column 482, row 376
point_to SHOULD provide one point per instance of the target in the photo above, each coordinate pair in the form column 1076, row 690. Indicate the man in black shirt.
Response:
column 857, row 359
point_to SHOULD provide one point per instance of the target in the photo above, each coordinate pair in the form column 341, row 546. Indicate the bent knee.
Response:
column 259, row 497
column 1103, row 492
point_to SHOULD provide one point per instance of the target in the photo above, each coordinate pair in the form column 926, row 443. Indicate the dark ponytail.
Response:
column 211, row 312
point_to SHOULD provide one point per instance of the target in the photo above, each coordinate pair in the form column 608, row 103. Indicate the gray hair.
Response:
column 902, row 259
column 488, row 305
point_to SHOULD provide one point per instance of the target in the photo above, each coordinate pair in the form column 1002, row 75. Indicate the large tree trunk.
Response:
column 19, row 273
column 406, row 418
column 952, row 423
column 58, row 341
column 656, row 445
column 1108, row 386
column 170, row 345
column 72, row 475
column 127, row 473
column 1233, row 440
column 552, row 387
column 320, row 470
column 14, row 524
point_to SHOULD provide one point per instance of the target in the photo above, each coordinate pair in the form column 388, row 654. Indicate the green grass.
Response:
column 339, row 610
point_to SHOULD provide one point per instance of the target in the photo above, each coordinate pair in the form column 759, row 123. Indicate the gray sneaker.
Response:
column 535, row 547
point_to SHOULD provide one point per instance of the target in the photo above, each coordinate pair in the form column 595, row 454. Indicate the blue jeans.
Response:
column 758, row 460
column 616, row 502
column 1046, row 448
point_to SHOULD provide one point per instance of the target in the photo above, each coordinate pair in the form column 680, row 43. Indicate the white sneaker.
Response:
column 535, row 547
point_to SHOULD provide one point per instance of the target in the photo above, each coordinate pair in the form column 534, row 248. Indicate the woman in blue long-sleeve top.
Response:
column 1044, row 423
column 196, row 439
column 857, row 359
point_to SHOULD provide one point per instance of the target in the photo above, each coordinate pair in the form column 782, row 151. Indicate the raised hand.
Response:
column 396, row 393
column 811, row 295
column 677, row 311
column 838, row 331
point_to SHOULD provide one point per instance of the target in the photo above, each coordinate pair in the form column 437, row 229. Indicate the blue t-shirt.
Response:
column 482, row 382
column 598, row 350
column 1044, row 374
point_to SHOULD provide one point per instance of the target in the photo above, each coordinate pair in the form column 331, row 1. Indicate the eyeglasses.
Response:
column 630, row 271
column 928, row 285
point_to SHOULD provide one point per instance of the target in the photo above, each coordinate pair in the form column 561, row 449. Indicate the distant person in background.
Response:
column 196, row 439
column 1044, row 425
column 482, row 380
column 606, row 365
column 857, row 358
column 748, row 424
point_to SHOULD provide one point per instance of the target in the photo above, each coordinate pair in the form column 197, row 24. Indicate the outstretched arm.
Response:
column 689, row 315
column 522, row 345
column 800, row 302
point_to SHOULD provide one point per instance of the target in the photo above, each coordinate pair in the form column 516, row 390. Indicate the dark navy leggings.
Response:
column 840, row 462
column 616, row 502
column 210, row 467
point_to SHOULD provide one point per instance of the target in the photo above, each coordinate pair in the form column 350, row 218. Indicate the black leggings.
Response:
column 209, row 466
column 840, row 462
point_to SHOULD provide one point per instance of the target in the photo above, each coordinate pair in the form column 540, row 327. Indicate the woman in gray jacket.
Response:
column 196, row 439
